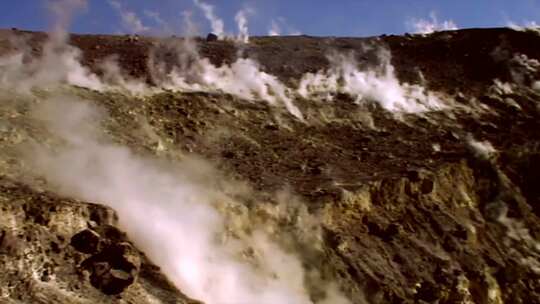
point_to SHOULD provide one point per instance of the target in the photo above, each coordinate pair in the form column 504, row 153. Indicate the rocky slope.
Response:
column 437, row 207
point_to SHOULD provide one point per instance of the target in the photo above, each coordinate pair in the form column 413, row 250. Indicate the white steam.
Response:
column 481, row 149
column 524, row 26
column 62, row 11
column 216, row 23
column 130, row 21
column 378, row 85
column 242, row 23
column 279, row 26
column 523, row 68
column 176, row 213
column 431, row 25
column 59, row 64
column 116, row 80
column 243, row 78
column 275, row 29
column 158, row 20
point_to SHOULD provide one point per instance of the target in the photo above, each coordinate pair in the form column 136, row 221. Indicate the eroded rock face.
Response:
column 461, row 240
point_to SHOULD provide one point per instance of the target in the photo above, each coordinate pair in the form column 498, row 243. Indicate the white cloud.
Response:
column 130, row 21
column 427, row 26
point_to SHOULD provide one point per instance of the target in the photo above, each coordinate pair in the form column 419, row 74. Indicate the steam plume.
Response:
column 280, row 26
column 201, row 238
column 59, row 62
column 275, row 29
column 61, row 12
column 243, row 78
column 216, row 23
column 130, row 21
column 379, row 85
column 242, row 23
column 156, row 17
column 526, row 25
column 423, row 26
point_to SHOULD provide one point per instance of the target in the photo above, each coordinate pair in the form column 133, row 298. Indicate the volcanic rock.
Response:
column 114, row 268
column 211, row 37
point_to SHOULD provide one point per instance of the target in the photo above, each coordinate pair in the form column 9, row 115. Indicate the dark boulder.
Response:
column 114, row 268
column 113, row 264
column 211, row 37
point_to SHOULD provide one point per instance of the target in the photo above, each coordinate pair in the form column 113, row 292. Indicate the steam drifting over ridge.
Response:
column 216, row 23
column 379, row 85
column 242, row 23
column 428, row 26
column 244, row 77
column 195, row 235
column 130, row 21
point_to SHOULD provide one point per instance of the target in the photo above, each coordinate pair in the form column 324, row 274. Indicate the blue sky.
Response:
column 312, row 17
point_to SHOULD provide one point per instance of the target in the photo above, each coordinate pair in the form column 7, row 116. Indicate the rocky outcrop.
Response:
column 113, row 264
column 49, row 254
column 459, row 218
